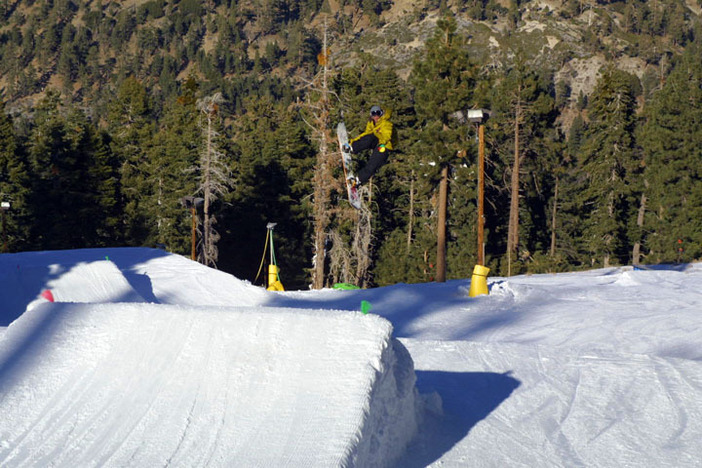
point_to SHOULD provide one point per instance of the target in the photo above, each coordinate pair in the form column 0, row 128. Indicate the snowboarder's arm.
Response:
column 384, row 133
column 367, row 131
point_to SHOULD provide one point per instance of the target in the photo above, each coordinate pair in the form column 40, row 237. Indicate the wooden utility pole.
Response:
column 5, row 207
column 481, row 194
column 192, row 204
column 478, row 117
column 441, row 231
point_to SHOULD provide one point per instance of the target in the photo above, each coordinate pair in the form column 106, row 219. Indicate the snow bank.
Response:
column 150, row 385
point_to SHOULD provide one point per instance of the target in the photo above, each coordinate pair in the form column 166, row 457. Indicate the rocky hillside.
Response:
column 80, row 46
column 572, row 45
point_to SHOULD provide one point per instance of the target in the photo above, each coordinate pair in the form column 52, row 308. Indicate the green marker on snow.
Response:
column 345, row 286
column 366, row 307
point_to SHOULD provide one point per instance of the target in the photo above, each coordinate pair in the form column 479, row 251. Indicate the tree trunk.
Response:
column 322, row 175
column 636, row 254
column 441, row 228
column 553, row 220
column 207, row 192
column 214, row 178
column 362, row 245
column 410, row 225
column 513, row 230
column 321, row 216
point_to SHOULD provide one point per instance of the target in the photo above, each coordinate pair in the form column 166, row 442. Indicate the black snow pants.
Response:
column 377, row 157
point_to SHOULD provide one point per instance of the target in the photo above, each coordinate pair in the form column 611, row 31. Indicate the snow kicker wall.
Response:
column 152, row 385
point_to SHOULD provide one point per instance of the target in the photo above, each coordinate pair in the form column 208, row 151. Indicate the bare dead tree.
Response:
column 215, row 177
column 339, row 259
column 317, row 106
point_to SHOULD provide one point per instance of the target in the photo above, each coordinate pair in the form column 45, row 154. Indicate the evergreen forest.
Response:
column 115, row 115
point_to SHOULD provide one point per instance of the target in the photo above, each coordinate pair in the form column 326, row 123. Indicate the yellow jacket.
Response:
column 383, row 130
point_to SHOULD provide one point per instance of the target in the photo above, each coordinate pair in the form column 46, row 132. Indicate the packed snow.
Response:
column 146, row 358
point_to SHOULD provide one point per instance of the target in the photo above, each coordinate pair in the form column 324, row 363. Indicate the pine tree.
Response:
column 132, row 133
column 444, row 80
column 106, row 187
column 55, row 172
column 97, row 206
column 169, row 173
column 670, row 138
column 524, row 160
column 608, row 161
column 273, row 178
column 14, row 186
column 73, row 179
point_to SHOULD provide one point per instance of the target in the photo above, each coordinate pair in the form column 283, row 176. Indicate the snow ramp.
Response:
column 140, row 384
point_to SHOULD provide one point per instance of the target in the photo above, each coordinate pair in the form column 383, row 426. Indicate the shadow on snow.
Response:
column 467, row 398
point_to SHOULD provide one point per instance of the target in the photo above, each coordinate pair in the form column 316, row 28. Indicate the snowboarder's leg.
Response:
column 364, row 143
column 377, row 159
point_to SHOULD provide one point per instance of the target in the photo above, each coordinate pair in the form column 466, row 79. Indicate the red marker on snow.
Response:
column 46, row 294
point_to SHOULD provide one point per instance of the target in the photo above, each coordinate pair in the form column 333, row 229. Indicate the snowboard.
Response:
column 346, row 162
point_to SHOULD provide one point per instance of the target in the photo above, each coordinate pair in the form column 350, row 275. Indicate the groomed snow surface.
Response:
column 148, row 359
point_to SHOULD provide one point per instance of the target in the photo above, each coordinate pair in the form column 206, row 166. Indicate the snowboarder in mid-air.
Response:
column 378, row 136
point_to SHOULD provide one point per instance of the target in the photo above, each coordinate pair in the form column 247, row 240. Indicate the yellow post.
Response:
column 273, row 283
column 478, row 282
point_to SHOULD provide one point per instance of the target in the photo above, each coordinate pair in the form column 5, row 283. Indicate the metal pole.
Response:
column 481, row 194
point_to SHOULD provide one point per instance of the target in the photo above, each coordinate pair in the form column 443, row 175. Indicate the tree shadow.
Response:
column 663, row 267
column 467, row 398
column 22, row 348
column 24, row 276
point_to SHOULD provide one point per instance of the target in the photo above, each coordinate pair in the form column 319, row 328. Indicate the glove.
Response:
column 346, row 148
column 381, row 148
